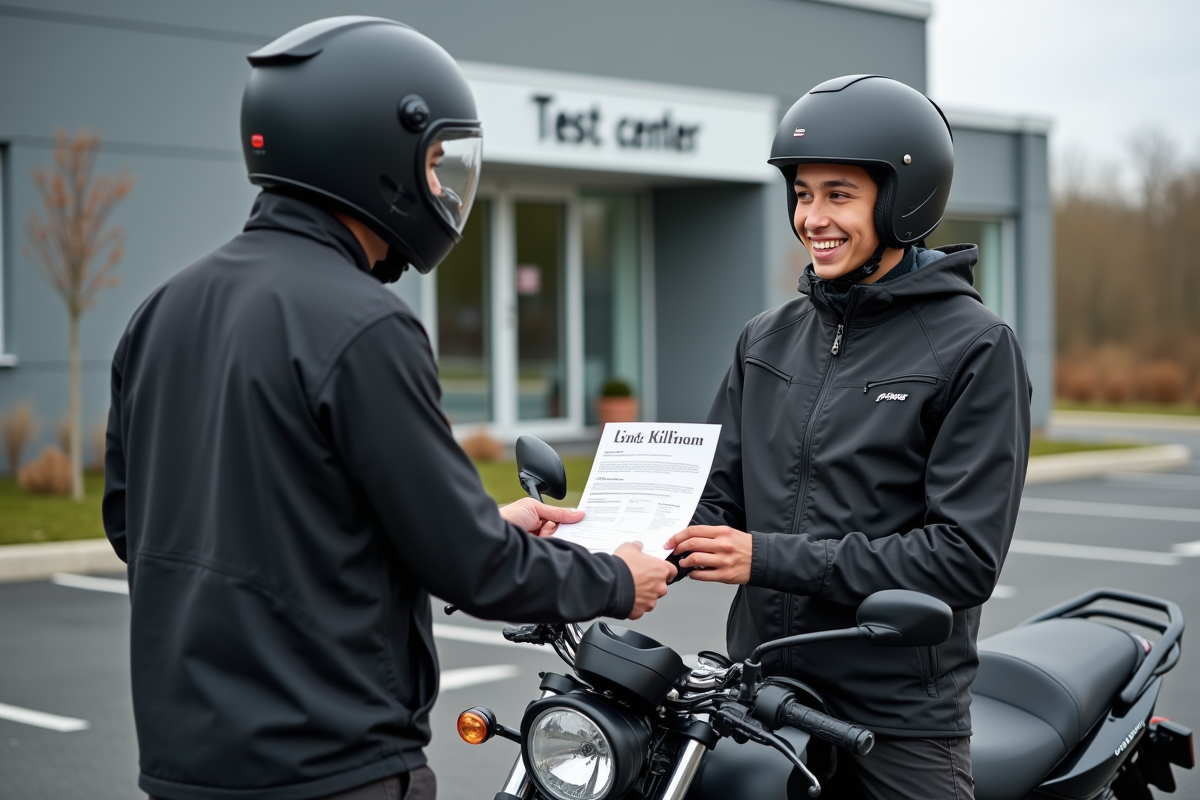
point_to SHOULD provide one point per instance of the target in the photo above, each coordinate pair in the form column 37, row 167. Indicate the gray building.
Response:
column 627, row 224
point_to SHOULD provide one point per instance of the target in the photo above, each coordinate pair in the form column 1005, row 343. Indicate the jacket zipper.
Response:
column 900, row 379
column 805, row 452
column 758, row 362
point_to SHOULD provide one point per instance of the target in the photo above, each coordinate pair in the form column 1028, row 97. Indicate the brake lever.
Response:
column 530, row 634
column 733, row 719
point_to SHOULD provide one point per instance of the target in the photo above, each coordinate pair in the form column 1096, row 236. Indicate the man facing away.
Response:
column 875, row 436
column 279, row 475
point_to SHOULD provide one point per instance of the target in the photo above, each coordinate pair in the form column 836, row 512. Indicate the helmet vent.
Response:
column 837, row 84
column 308, row 40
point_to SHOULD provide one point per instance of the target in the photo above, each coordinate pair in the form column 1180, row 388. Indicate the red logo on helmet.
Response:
column 256, row 140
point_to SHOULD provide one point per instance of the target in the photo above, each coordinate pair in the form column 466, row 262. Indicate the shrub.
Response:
column 1163, row 382
column 1078, row 381
column 1118, row 385
column 64, row 433
column 49, row 473
column 482, row 446
column 18, row 426
column 99, row 436
column 616, row 387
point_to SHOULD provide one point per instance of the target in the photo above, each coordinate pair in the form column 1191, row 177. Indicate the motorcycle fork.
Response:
column 518, row 784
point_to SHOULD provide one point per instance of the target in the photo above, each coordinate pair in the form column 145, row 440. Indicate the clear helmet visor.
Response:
column 453, row 159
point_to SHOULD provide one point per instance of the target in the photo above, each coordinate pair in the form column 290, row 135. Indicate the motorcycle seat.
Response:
column 1040, row 689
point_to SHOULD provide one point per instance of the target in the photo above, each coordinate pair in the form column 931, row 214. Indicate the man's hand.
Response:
column 716, row 553
column 538, row 518
column 650, row 576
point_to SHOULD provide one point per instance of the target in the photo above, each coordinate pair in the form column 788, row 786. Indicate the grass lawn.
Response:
column 42, row 518
column 1052, row 447
column 36, row 518
column 1128, row 408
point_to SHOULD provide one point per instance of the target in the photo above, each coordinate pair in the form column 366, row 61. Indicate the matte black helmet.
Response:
column 371, row 118
column 893, row 131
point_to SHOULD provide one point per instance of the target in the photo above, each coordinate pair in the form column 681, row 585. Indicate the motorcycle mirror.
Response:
column 540, row 469
column 900, row 618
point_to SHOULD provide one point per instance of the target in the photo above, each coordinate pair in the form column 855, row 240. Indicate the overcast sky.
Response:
column 1102, row 70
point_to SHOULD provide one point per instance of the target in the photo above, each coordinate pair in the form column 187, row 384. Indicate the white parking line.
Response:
column 1159, row 480
column 1189, row 549
column 1087, row 551
column 473, row 676
column 1079, row 508
column 41, row 719
column 112, row 585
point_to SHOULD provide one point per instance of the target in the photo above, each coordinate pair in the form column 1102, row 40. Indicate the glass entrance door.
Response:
column 464, row 333
column 540, row 291
column 536, row 308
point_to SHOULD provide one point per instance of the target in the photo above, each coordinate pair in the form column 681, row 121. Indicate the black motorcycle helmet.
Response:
column 368, row 117
column 893, row 131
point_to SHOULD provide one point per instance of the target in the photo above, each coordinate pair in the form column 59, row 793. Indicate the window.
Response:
column 464, row 322
column 994, row 274
column 6, row 359
column 612, row 340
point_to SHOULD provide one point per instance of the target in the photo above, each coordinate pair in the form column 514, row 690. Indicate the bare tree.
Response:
column 1155, row 156
column 70, row 245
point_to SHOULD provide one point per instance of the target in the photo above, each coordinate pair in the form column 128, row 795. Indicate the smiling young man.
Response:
column 875, row 436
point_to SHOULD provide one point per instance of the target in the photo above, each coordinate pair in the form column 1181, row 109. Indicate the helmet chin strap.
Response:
column 842, row 284
column 391, row 268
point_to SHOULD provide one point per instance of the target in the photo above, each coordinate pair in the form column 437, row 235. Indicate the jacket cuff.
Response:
column 795, row 564
column 620, row 601
column 759, row 557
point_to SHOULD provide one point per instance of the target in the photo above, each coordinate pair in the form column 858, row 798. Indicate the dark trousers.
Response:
column 420, row 784
column 905, row 769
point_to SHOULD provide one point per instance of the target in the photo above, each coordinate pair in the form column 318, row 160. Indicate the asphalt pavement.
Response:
column 64, row 659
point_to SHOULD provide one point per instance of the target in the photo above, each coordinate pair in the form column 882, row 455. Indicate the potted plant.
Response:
column 616, row 402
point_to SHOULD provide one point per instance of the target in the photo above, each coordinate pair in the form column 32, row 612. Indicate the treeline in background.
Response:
column 1128, row 278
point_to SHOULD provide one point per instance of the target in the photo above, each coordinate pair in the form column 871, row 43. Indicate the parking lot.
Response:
column 64, row 662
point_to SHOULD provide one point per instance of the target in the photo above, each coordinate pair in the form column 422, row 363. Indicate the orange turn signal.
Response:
column 476, row 725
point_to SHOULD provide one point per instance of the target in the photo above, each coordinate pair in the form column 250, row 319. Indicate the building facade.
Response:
column 627, row 224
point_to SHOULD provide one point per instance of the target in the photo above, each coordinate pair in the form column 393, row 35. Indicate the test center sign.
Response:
column 582, row 122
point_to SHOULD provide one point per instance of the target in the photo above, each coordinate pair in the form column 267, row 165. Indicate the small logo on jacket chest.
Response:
column 890, row 396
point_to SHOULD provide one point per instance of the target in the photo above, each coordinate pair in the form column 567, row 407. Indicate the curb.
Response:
column 1094, row 463
column 31, row 562
column 1113, row 419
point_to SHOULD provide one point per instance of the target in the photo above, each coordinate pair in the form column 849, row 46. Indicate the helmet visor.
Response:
column 452, row 162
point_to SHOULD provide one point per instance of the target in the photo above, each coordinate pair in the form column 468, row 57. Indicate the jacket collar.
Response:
column 275, row 210
column 942, row 271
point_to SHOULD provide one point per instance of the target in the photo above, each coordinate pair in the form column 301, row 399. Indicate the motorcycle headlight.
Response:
column 570, row 755
column 579, row 747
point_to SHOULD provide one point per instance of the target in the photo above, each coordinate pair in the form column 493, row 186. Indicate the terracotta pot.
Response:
column 616, row 409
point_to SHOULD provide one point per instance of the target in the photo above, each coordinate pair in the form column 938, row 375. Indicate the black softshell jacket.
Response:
column 882, row 449
column 286, row 491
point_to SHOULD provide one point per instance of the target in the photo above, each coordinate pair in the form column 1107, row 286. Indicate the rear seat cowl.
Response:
column 1063, row 671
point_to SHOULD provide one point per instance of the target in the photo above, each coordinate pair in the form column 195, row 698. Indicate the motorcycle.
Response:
column 1062, row 707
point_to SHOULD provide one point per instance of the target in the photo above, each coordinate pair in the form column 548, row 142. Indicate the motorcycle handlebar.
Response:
column 843, row 734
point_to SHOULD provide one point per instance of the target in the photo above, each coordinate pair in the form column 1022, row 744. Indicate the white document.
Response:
column 645, row 485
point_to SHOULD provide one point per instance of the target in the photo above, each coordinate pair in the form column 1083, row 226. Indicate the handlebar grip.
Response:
column 835, row 731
